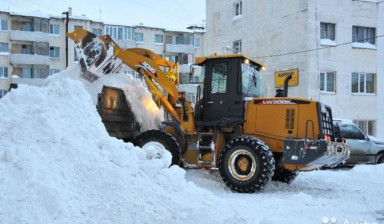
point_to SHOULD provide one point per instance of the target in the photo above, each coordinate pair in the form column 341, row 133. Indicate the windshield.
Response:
column 350, row 131
column 251, row 80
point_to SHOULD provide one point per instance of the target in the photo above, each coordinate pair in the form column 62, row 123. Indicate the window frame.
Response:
column 327, row 30
column 56, row 52
column 139, row 37
column 52, row 29
column 1, row 25
column 359, row 75
column 157, row 41
column 363, row 125
column 355, row 34
column 53, row 71
column 5, row 52
column 239, row 42
column 98, row 32
column 237, row 9
column 4, row 72
column 325, row 82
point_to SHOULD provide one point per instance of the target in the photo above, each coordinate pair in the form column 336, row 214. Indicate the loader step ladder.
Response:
column 206, row 148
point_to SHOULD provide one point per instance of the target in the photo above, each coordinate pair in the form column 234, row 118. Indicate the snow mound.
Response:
column 59, row 165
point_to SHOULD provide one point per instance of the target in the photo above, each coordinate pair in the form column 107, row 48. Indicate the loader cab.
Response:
column 226, row 82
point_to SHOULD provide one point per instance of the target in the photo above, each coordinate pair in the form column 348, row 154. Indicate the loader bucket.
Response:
column 116, row 114
column 95, row 55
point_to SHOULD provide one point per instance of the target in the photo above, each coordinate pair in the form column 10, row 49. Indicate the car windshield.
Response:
column 350, row 131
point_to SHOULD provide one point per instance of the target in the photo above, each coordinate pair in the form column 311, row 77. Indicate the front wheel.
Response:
column 162, row 140
column 380, row 159
column 246, row 164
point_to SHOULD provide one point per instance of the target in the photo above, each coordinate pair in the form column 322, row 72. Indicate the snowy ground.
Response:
column 58, row 165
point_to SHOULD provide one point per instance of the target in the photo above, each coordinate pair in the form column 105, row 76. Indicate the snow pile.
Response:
column 58, row 165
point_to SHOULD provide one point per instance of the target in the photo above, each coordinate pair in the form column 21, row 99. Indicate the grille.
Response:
column 290, row 119
column 326, row 121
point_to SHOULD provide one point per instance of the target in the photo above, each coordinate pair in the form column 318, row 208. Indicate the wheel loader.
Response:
column 250, row 139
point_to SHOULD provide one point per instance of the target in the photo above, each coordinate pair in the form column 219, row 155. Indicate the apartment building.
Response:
column 334, row 47
column 32, row 47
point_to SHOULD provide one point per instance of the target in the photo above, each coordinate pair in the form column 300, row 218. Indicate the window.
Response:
column 54, row 52
column 26, row 26
column 54, row 29
column 3, row 92
column 367, row 126
column 327, row 31
column 176, row 40
column 40, row 72
column 53, row 71
column 139, row 37
column 363, row 83
column 26, row 73
column 350, row 131
column 97, row 32
column 26, row 49
column 4, row 48
column 363, row 34
column 236, row 47
column 196, row 42
column 75, row 27
column 3, row 72
column 219, row 78
column 41, row 48
column 75, row 58
column 40, row 25
column 159, row 39
column 238, row 9
column 327, row 81
column 174, row 58
column 4, row 25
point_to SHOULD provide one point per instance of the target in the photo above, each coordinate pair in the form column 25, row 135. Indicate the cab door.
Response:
column 215, row 105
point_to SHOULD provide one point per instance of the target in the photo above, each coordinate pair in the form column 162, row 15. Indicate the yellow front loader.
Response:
column 250, row 139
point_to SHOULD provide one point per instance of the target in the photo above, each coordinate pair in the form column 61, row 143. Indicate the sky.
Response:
column 171, row 14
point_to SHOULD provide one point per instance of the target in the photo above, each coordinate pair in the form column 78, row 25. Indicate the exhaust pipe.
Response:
column 283, row 92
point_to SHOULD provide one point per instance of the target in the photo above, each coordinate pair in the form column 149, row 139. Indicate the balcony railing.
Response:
column 179, row 48
column 29, row 59
column 18, row 35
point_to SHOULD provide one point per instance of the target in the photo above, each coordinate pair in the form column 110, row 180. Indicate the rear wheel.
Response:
column 162, row 140
column 246, row 164
column 282, row 174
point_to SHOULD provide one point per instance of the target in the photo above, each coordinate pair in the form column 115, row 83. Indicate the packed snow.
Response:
column 59, row 165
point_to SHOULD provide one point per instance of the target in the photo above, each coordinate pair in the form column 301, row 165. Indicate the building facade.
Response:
column 32, row 47
column 335, row 46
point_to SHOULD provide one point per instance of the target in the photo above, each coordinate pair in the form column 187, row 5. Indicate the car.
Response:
column 364, row 149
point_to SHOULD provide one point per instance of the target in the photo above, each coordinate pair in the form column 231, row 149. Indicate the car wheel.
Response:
column 380, row 158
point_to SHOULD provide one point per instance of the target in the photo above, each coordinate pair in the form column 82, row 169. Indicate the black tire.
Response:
column 164, row 139
column 252, row 167
column 380, row 158
column 282, row 174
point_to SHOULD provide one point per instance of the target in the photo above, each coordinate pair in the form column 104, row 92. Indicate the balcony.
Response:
column 29, row 59
column 18, row 35
column 179, row 48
